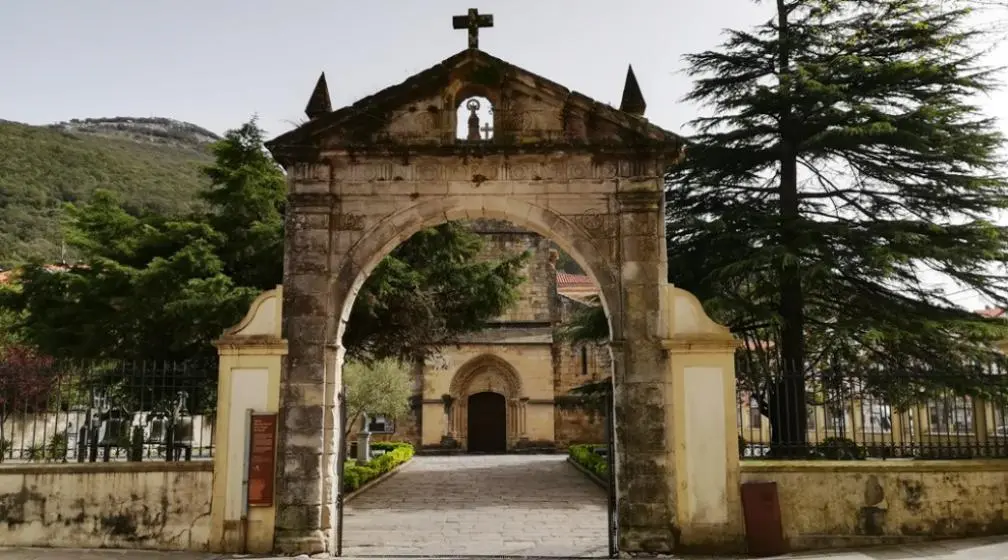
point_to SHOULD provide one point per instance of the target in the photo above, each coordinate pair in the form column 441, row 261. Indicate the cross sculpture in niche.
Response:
column 487, row 130
column 472, row 21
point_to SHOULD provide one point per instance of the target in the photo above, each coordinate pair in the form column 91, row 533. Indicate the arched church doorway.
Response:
column 487, row 425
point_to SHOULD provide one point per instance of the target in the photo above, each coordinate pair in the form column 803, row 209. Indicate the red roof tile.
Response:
column 568, row 280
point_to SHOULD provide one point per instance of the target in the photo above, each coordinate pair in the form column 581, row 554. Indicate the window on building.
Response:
column 876, row 416
column 952, row 415
column 584, row 360
column 836, row 418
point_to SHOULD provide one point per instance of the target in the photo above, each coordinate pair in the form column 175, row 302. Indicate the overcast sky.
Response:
column 215, row 63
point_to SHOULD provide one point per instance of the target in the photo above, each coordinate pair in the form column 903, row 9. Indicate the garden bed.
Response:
column 357, row 478
column 590, row 459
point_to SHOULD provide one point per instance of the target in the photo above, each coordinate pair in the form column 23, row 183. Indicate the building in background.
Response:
column 497, row 389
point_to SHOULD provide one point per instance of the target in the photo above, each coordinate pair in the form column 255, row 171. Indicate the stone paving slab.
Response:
column 523, row 505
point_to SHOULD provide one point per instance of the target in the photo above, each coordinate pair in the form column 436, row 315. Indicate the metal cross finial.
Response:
column 472, row 21
column 487, row 130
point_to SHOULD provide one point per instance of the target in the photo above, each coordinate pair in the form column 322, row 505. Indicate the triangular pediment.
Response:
column 529, row 111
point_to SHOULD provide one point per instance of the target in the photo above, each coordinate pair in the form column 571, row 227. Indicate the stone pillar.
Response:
column 523, row 418
column 645, row 485
column 363, row 445
column 251, row 357
column 307, row 414
column 701, row 423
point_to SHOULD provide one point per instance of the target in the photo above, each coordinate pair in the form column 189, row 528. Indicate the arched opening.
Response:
column 495, row 393
column 487, row 423
column 474, row 121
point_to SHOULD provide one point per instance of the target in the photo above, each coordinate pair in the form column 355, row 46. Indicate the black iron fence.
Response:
column 921, row 416
column 102, row 410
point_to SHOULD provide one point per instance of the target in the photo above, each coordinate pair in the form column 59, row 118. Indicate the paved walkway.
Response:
column 536, row 505
column 982, row 549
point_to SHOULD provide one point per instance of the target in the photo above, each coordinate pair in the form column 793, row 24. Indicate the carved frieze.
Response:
column 579, row 170
column 606, row 170
column 299, row 201
column 639, row 201
column 429, row 172
column 345, row 221
column 597, row 225
column 310, row 172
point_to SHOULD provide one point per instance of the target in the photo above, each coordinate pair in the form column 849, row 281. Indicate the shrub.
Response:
column 839, row 449
column 396, row 453
column 586, row 456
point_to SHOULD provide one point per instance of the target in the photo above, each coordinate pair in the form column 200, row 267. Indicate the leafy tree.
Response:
column 842, row 160
column 27, row 379
column 588, row 324
column 380, row 387
column 160, row 287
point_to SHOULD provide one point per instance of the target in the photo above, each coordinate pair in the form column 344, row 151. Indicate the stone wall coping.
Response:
column 875, row 466
column 106, row 468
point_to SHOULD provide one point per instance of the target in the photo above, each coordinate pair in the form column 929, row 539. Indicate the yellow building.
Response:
column 496, row 389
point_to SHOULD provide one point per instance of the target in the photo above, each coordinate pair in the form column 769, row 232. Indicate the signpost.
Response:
column 262, row 459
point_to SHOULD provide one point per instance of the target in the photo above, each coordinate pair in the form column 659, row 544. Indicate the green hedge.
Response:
column 355, row 476
column 584, row 455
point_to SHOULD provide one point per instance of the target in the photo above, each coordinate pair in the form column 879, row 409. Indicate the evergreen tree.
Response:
column 844, row 170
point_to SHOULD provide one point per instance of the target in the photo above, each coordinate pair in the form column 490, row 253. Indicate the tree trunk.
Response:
column 787, row 414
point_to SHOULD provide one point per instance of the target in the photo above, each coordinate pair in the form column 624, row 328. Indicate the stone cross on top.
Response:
column 473, row 21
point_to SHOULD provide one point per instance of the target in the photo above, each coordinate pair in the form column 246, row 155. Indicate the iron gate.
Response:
column 610, row 433
column 340, row 460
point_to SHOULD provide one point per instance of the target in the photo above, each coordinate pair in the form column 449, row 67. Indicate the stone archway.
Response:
column 487, row 374
column 364, row 178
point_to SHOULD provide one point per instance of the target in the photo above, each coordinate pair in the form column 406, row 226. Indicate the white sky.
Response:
column 217, row 62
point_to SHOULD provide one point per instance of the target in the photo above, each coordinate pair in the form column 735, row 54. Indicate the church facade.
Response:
column 498, row 389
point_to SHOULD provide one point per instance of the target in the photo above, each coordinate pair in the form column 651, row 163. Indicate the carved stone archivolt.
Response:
column 597, row 225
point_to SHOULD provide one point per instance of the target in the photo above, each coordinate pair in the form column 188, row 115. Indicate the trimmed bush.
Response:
column 840, row 449
column 586, row 456
column 396, row 453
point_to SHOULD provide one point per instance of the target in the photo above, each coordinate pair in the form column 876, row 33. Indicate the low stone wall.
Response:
column 860, row 503
column 107, row 505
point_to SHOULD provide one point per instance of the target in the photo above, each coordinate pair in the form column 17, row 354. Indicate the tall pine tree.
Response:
column 842, row 173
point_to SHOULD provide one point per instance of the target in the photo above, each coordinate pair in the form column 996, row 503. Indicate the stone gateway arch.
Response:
column 364, row 178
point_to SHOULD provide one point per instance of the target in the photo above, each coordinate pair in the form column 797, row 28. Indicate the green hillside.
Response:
column 153, row 166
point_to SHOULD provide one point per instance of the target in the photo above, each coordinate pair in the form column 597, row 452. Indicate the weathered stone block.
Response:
column 299, row 518
column 304, row 419
column 653, row 540
column 304, row 365
column 647, row 435
column 651, row 513
column 298, row 491
column 308, row 329
column 303, row 465
column 300, row 304
column 645, row 489
column 302, row 394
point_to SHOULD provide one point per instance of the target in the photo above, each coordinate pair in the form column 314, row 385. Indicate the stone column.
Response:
column 523, row 418
column 512, row 419
column 305, row 459
column 645, row 484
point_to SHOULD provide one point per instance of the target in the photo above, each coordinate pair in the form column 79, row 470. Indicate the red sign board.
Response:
column 262, row 460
